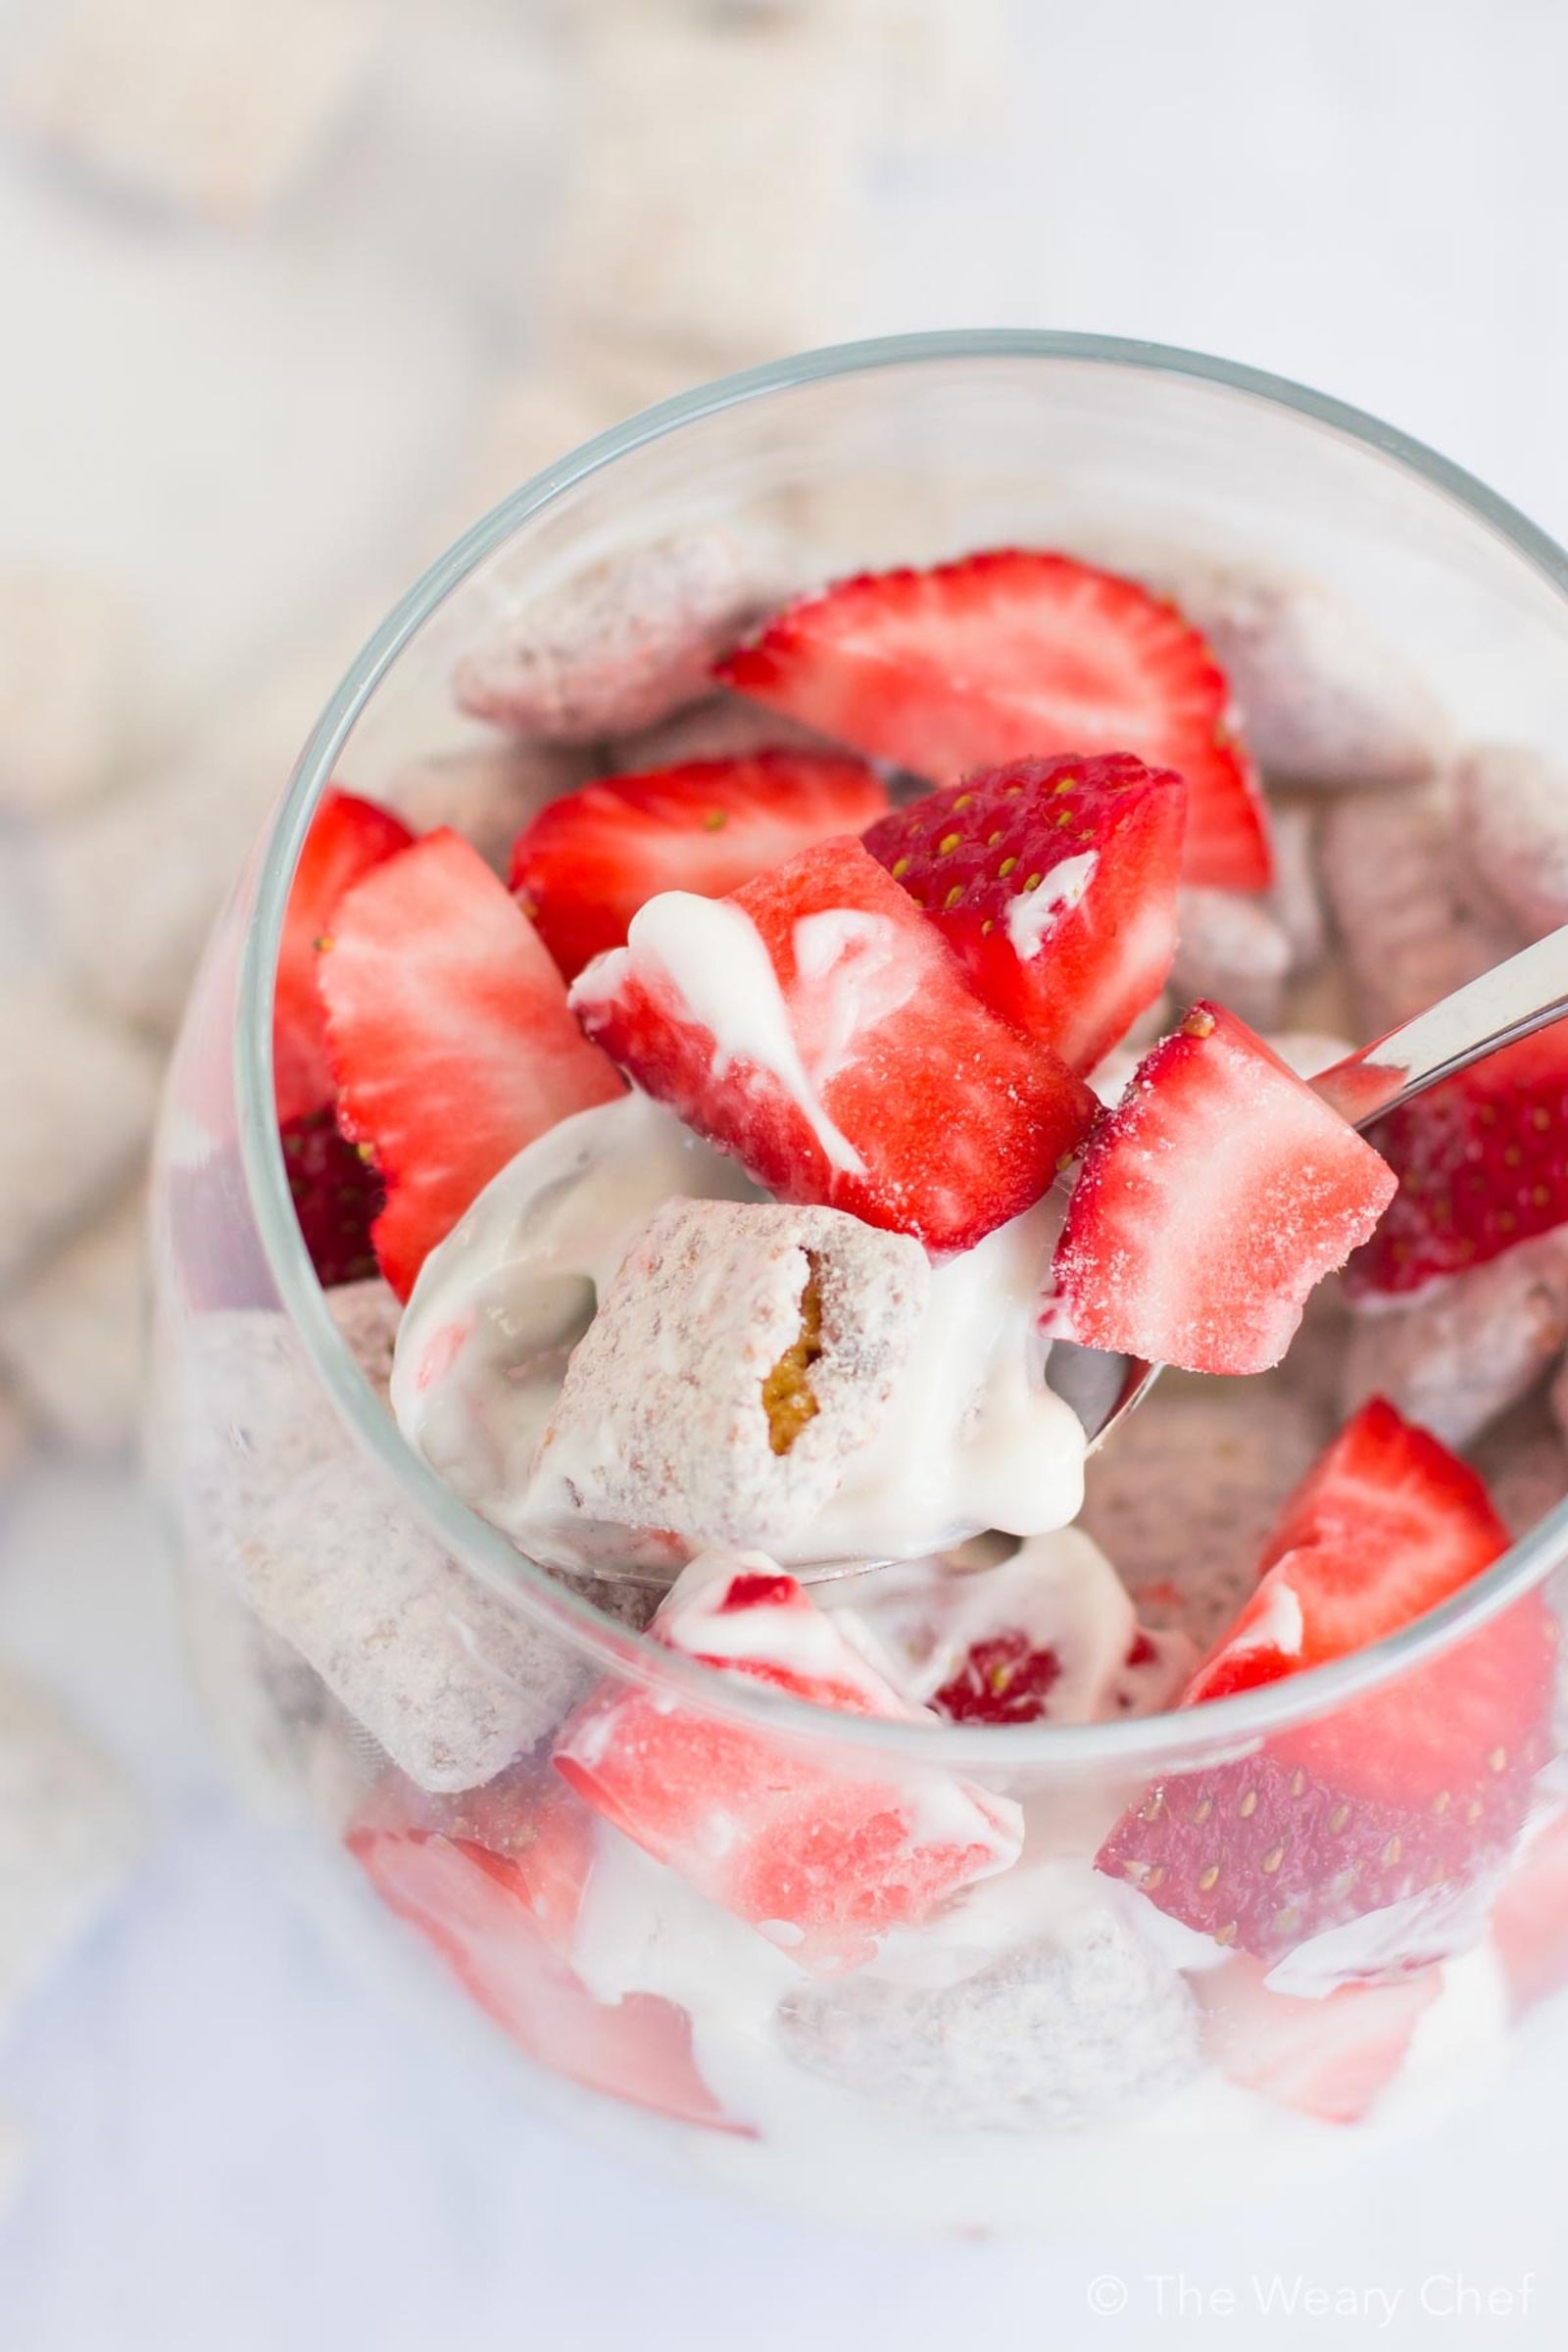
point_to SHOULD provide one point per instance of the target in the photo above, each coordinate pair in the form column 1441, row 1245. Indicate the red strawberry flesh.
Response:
column 1001, row 1679
column 817, row 1026
column 1329, row 2058
column 823, row 1855
column 587, row 862
column 1054, row 881
column 1409, row 1795
column 1013, row 654
column 1211, row 1200
column 348, row 837
column 337, row 1197
column 452, row 1040
column 1482, row 1162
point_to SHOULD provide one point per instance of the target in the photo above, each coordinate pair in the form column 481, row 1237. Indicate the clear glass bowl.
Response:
column 1035, row 2052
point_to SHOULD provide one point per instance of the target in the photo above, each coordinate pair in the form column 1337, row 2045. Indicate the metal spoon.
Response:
column 1510, row 1002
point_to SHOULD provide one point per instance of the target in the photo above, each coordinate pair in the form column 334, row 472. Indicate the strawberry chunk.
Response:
column 1211, row 1200
column 1054, row 881
column 1018, row 654
column 1529, row 1920
column 449, row 1031
column 822, row 1856
column 818, row 1027
column 493, row 1882
column 587, row 862
column 348, row 836
column 337, row 1197
column 1328, row 2058
column 1410, row 1796
column 1482, row 1162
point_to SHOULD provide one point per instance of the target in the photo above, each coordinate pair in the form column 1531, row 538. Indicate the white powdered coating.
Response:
column 1523, row 1460
column 1325, row 702
column 68, row 664
column 487, row 794
column 1402, row 889
column 1295, row 900
column 452, row 1680
column 482, row 1349
column 725, row 727
column 1185, row 1498
column 69, row 1832
column 622, row 646
column 660, row 1430
column 368, row 1316
column 1071, row 2028
column 1060, row 1590
column 217, row 118
column 72, row 1337
column 1513, row 803
column 1467, row 1346
column 1034, row 914
column 79, row 1095
column 973, row 1438
column 1231, row 949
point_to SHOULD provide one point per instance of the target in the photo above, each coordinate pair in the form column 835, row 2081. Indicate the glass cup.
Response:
column 1043, row 2046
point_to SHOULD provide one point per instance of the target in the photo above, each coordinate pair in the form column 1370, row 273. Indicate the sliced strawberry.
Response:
column 493, row 1882
column 818, row 1028
column 337, row 1197
column 821, row 1857
column 1529, row 1920
column 1328, row 2058
column 1054, row 881
column 1482, row 1162
column 348, row 836
column 1211, row 1200
column 450, row 1038
column 587, row 862
column 1412, row 1795
column 1017, row 654
column 1002, row 1679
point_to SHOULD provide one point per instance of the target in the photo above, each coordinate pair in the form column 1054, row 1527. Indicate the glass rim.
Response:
column 1237, row 1721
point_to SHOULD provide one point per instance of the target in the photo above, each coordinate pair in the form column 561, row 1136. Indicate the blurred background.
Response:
column 290, row 290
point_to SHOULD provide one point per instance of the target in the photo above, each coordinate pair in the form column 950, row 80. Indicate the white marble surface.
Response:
column 235, row 2143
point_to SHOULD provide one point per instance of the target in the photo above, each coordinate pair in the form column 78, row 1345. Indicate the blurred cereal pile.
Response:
column 295, row 289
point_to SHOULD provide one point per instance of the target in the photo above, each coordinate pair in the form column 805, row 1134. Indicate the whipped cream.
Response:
column 971, row 1438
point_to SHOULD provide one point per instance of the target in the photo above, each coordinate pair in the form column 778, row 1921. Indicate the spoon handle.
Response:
column 1510, row 1002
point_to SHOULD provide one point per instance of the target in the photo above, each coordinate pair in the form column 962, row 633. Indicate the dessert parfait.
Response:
column 896, row 982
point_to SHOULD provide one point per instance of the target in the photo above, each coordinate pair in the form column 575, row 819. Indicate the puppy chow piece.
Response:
column 15, row 1434
column 1230, row 948
column 622, row 646
column 487, row 795
column 71, row 1336
column 284, row 1736
column 1296, row 900
column 1465, row 1347
column 693, row 144
column 1054, row 2036
column 1184, row 1498
column 79, row 1094
column 210, row 106
column 68, row 664
column 1325, row 702
column 368, row 1316
column 725, row 727
column 582, row 386
column 1523, row 1459
column 449, row 1677
column 1513, row 806
column 742, row 1354
column 69, row 1832
column 1403, row 894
